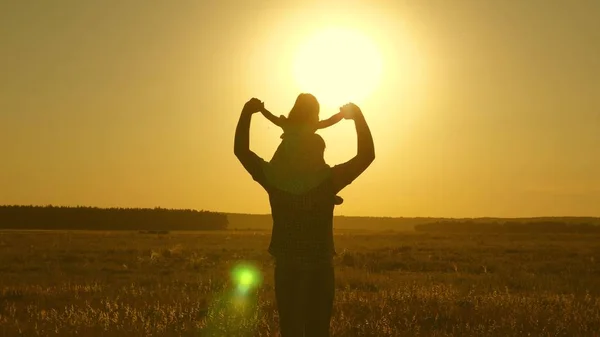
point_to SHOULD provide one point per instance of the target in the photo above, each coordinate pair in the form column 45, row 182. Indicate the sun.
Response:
column 338, row 65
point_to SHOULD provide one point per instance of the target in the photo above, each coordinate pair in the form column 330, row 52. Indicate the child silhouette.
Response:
column 299, row 129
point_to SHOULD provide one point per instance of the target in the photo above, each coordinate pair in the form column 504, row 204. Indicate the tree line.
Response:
column 94, row 218
column 508, row 227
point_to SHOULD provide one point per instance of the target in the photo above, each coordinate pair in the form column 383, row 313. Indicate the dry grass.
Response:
column 389, row 284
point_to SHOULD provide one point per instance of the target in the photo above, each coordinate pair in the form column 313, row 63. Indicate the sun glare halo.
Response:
column 338, row 65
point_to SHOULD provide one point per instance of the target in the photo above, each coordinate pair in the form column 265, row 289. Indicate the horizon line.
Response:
column 342, row 216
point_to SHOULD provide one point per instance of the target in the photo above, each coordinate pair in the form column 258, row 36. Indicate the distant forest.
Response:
column 93, row 218
column 160, row 220
column 540, row 226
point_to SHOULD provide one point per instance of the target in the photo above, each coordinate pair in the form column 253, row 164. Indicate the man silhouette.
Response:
column 302, row 234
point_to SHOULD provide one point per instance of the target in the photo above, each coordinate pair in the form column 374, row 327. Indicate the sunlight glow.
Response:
column 338, row 65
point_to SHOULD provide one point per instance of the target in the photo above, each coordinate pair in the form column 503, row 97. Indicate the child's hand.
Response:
column 262, row 108
column 350, row 111
column 254, row 105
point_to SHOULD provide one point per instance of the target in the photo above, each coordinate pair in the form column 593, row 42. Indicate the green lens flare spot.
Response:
column 245, row 277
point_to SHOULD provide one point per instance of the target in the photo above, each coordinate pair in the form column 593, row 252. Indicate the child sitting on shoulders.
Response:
column 298, row 129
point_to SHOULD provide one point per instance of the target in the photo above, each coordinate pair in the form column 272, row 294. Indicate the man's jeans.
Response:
column 304, row 300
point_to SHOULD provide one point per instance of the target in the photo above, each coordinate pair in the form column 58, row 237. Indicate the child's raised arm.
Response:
column 274, row 119
column 330, row 121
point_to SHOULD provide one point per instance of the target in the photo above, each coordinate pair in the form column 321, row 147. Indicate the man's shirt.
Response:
column 302, row 233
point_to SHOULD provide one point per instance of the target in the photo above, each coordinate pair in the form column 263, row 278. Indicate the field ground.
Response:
column 81, row 283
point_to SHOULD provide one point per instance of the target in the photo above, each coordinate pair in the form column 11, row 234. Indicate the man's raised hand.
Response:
column 254, row 105
column 350, row 111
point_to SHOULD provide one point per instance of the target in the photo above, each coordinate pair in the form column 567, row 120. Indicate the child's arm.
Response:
column 274, row 119
column 330, row 121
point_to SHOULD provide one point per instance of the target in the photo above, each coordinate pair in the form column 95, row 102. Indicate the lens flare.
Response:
column 246, row 277
column 236, row 311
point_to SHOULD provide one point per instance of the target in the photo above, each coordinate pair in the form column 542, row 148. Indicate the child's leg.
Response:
column 279, row 153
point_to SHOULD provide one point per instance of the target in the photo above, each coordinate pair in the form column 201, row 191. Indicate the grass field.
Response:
column 388, row 284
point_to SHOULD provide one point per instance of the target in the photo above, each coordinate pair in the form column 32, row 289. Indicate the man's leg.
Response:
column 321, row 291
column 290, row 293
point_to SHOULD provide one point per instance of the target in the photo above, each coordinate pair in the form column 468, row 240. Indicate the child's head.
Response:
column 305, row 110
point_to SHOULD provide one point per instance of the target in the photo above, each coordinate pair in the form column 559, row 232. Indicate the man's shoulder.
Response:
column 341, row 176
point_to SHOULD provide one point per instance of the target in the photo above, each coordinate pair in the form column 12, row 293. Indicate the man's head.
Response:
column 301, row 154
column 311, row 149
column 305, row 110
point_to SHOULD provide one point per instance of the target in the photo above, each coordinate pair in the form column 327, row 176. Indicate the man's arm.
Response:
column 241, row 147
column 345, row 173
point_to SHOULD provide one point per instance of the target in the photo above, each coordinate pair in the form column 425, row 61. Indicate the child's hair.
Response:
column 305, row 110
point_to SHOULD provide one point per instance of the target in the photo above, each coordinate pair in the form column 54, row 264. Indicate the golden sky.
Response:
column 479, row 108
